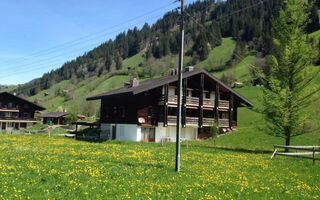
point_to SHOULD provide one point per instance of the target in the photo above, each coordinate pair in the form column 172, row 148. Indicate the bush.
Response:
column 214, row 130
column 71, row 117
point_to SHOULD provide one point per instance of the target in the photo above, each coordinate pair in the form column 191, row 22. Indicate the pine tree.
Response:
column 289, row 88
column 118, row 61
column 108, row 62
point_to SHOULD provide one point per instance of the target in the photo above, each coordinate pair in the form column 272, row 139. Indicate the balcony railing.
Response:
column 189, row 120
column 194, row 101
column 224, row 104
column 195, row 120
column 224, row 122
column 18, row 119
column 173, row 99
column 208, row 121
column 208, row 102
column 3, row 109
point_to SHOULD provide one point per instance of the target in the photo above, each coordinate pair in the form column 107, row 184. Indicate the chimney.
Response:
column 174, row 72
column 134, row 82
column 189, row 68
column 15, row 94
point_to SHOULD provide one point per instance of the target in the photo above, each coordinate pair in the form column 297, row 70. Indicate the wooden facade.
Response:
column 16, row 112
column 54, row 118
column 154, row 102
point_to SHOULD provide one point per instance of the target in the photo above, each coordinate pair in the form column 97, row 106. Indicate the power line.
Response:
column 45, row 60
column 240, row 10
column 90, row 35
column 71, row 43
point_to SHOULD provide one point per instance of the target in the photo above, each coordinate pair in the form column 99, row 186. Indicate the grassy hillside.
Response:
column 76, row 92
column 240, row 71
column 133, row 61
column 219, row 56
column 74, row 98
column 7, row 88
column 71, row 94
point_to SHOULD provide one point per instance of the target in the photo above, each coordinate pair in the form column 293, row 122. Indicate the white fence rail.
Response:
column 308, row 150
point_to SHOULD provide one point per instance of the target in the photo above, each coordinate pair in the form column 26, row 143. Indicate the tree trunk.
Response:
column 287, row 143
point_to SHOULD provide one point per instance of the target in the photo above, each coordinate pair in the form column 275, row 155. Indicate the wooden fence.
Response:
column 309, row 152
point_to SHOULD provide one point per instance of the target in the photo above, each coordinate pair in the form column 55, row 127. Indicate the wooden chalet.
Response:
column 54, row 118
column 147, row 111
column 16, row 112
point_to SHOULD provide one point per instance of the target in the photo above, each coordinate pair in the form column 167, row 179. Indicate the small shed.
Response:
column 57, row 118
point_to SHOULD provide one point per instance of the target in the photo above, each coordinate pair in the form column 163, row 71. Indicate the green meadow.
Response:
column 237, row 167
column 39, row 167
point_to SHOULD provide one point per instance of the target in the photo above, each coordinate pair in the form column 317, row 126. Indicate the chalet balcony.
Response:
column 189, row 120
column 3, row 109
column 208, row 103
column 194, row 102
column 224, row 123
column 195, row 121
column 224, row 104
column 17, row 119
column 173, row 99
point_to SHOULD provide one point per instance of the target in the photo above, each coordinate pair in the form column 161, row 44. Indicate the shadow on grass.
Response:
column 239, row 150
column 242, row 150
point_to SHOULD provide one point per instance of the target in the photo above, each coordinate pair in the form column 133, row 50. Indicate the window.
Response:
column 10, row 105
column 207, row 95
column 10, row 124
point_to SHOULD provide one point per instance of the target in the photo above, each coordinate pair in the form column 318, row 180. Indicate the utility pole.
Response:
column 180, row 88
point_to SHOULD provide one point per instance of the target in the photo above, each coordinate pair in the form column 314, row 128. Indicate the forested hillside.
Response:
column 162, row 38
column 222, row 37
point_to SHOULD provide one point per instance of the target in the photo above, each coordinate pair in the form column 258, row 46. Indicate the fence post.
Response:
column 313, row 152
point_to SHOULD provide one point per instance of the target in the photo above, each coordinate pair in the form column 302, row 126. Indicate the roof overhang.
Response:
column 154, row 83
column 37, row 107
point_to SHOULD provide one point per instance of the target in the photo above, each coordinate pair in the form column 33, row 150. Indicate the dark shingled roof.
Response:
column 35, row 105
column 54, row 114
column 154, row 83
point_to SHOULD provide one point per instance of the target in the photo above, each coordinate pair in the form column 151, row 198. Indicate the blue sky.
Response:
column 38, row 36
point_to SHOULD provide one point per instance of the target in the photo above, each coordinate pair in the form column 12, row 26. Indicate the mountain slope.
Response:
column 225, row 47
column 206, row 22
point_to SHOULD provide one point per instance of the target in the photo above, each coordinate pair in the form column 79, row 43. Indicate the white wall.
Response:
column 171, row 91
column 212, row 95
column 188, row 133
column 128, row 132
column 132, row 132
